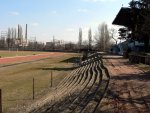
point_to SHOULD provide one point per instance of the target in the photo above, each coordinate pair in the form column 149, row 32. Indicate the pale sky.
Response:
column 61, row 18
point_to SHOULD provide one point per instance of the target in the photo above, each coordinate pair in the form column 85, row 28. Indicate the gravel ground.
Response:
column 129, row 90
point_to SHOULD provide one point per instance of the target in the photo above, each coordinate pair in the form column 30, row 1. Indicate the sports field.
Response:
column 28, row 56
column 19, row 53
column 16, row 81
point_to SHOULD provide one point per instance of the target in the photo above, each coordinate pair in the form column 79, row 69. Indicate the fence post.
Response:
column 51, row 79
column 0, row 101
column 33, row 88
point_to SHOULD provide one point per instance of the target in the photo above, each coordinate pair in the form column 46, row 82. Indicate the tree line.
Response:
column 14, row 39
column 100, row 41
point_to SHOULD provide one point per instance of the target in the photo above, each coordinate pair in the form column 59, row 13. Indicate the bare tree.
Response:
column 85, row 44
column 102, row 37
column 113, row 33
column 2, row 42
column 3, row 39
column 53, row 43
column 107, row 38
column 80, row 38
column 69, row 46
column 13, row 37
column 8, row 40
column 90, row 39
column 20, row 35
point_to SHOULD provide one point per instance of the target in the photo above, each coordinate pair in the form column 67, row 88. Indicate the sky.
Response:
column 59, row 18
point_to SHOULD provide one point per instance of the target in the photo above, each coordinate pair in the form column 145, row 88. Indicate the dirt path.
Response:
column 129, row 90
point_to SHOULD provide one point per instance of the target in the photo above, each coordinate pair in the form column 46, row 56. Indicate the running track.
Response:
column 19, row 59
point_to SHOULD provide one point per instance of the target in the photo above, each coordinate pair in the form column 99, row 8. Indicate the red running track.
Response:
column 10, row 60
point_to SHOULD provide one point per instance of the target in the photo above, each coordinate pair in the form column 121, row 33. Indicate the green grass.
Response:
column 19, row 53
column 16, row 81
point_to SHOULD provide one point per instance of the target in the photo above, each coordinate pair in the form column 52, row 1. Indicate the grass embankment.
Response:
column 19, row 53
column 16, row 81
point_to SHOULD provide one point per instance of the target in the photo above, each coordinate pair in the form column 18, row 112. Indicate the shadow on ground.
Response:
column 72, row 60
column 144, row 100
column 57, row 69
column 21, row 99
column 141, row 77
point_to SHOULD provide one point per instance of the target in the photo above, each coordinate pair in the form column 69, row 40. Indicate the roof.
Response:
column 123, row 18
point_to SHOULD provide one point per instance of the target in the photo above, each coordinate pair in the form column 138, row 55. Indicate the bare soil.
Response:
column 129, row 90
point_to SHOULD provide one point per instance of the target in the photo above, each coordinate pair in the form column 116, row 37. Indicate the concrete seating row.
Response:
column 81, row 91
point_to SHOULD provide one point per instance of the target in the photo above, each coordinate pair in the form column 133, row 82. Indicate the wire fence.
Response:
column 26, row 93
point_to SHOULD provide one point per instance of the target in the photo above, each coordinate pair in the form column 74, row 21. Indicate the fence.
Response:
column 137, row 58
column 28, row 93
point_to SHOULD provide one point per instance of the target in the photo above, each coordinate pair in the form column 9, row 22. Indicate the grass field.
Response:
column 16, row 81
column 19, row 53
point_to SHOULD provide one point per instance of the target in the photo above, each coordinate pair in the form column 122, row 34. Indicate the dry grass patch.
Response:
column 16, row 81
column 19, row 53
